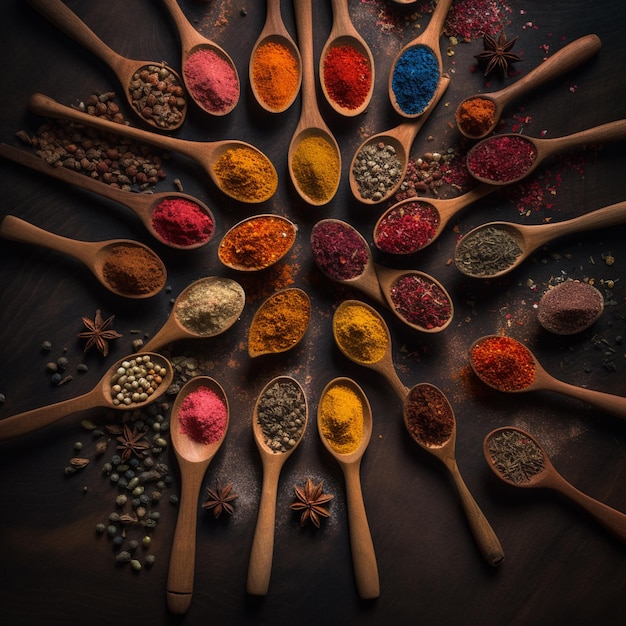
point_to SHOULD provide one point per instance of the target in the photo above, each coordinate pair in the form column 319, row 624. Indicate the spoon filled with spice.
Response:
column 476, row 116
column 153, row 372
column 496, row 248
column 346, row 65
column 380, row 163
column 314, row 159
column 279, row 421
column 154, row 91
column 417, row 69
column 344, row 424
column 430, row 421
column 362, row 335
column 209, row 73
column 207, row 307
column 200, row 416
column 125, row 267
column 176, row 219
column 518, row 459
column 508, row 158
column 505, row 364
column 238, row 169
column 275, row 65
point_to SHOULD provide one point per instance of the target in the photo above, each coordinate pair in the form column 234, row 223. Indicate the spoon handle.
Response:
column 484, row 534
column 612, row 131
column 363, row 555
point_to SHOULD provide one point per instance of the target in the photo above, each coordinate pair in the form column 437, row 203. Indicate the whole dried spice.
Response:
column 497, row 54
column 99, row 333
column 132, row 442
column 515, row 455
column 486, row 251
column 311, row 502
column 376, row 170
column 219, row 500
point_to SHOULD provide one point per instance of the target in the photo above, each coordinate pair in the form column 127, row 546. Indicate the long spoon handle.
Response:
column 361, row 544
column 484, row 534
column 605, row 133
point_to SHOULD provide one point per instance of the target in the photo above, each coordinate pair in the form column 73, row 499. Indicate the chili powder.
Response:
column 347, row 76
column 501, row 159
column 407, row 228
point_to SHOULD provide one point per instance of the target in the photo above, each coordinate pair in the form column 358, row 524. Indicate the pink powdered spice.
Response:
column 211, row 80
column 182, row 222
column 203, row 416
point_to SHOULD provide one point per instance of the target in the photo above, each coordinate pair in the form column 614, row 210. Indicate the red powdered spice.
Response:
column 203, row 416
column 502, row 158
column 407, row 228
column 182, row 222
column 347, row 76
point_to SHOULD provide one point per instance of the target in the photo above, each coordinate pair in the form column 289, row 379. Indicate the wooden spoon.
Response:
column 385, row 365
column 311, row 121
column 343, row 33
column 616, row 405
column 99, row 396
column 261, row 556
column 548, row 477
column 441, row 210
column 363, row 555
column 401, row 138
column 206, row 153
column 429, row 38
column 275, row 31
column 142, row 204
column 94, row 254
column 192, row 41
column 193, row 459
column 484, row 534
column 542, row 149
column 174, row 328
column 562, row 61
column 531, row 237
column 64, row 19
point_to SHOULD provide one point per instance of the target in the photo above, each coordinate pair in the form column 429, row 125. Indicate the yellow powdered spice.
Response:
column 341, row 419
column 316, row 167
column 246, row 174
column 275, row 75
column 360, row 334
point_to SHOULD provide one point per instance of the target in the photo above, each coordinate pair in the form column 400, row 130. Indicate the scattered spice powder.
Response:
column 347, row 76
column 428, row 416
column 415, row 78
column 203, row 416
column 503, row 363
column 339, row 250
column 407, row 227
column 182, row 222
column 486, row 251
column 316, row 167
column 421, row 301
column 376, row 170
column 476, row 116
column 360, row 332
column 515, row 455
column 340, row 418
column 257, row 242
column 133, row 270
column 501, row 159
column 275, row 73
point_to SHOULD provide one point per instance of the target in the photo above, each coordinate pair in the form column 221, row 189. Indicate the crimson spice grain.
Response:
column 407, row 227
column 338, row 249
column 420, row 301
column 428, row 415
column 501, row 159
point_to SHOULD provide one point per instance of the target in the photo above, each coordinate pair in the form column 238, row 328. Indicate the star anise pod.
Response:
column 497, row 53
column 99, row 332
column 311, row 501
column 131, row 441
column 220, row 500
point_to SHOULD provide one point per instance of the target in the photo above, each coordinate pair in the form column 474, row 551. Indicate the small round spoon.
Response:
column 261, row 556
column 616, row 405
column 429, row 38
column 484, row 534
column 99, row 397
column 562, row 61
column 175, row 329
column 544, row 474
column 311, row 121
column 542, row 149
column 531, row 237
column 94, row 254
column 142, row 204
column 274, row 31
column 401, row 138
column 363, row 555
column 205, row 153
column 192, row 41
column 385, row 365
column 441, row 210
column 343, row 33
column 193, row 460
column 65, row 20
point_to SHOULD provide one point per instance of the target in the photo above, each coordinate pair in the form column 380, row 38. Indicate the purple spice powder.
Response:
column 338, row 249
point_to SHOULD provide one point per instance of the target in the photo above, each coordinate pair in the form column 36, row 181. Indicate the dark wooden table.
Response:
column 560, row 566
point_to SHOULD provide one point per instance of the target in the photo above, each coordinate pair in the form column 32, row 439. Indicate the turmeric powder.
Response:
column 360, row 333
column 341, row 419
column 316, row 167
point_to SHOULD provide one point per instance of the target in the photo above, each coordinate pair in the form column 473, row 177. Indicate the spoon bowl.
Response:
column 363, row 555
column 562, row 61
column 206, row 153
column 261, row 556
column 100, row 396
column 93, row 254
column 193, row 459
column 528, row 238
column 425, row 406
column 126, row 70
column 534, row 469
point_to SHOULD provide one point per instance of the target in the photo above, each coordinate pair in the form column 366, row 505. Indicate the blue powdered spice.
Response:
column 415, row 79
